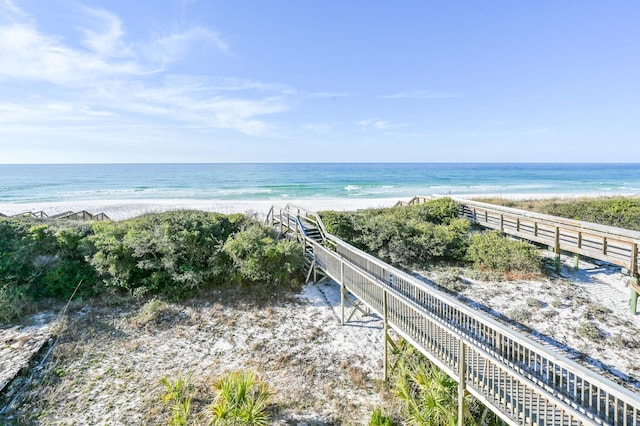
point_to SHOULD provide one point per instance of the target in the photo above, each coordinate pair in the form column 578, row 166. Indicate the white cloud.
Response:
column 331, row 95
column 421, row 94
column 107, row 40
column 376, row 124
column 26, row 54
column 12, row 11
column 115, row 80
column 168, row 48
column 321, row 128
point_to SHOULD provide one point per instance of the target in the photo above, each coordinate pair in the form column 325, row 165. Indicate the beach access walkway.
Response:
column 521, row 380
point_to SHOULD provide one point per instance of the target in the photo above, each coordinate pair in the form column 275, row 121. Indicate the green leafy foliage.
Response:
column 494, row 252
column 40, row 260
column 241, row 399
column 171, row 253
column 621, row 212
column 379, row 419
column 178, row 394
column 408, row 236
column 260, row 255
column 428, row 395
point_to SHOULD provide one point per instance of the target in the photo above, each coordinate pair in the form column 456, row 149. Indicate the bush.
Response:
column 428, row 395
column 407, row 236
column 494, row 252
column 622, row 212
column 42, row 259
column 590, row 331
column 172, row 253
column 439, row 211
column 14, row 302
column 260, row 255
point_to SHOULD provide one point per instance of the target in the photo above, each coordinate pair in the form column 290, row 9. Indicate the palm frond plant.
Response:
column 241, row 399
column 178, row 393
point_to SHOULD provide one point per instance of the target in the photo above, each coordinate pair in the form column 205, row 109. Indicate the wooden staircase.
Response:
column 519, row 379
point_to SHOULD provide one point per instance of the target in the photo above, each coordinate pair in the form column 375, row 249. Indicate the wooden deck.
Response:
column 613, row 245
column 522, row 381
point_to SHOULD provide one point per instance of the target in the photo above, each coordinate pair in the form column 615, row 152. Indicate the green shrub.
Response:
column 241, row 399
column 153, row 312
column 622, row 212
column 44, row 259
column 171, row 253
column 520, row 315
column 14, row 302
column 439, row 210
column 407, row 236
column 260, row 255
column 494, row 252
column 428, row 395
column 590, row 331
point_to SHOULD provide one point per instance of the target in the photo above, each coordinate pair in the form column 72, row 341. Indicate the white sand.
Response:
column 124, row 209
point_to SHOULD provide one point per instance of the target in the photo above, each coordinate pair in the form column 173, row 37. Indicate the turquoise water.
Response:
column 43, row 183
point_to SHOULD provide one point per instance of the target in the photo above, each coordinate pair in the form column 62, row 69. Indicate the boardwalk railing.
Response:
column 614, row 245
column 519, row 379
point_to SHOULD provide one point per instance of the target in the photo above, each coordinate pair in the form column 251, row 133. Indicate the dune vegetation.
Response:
column 162, row 258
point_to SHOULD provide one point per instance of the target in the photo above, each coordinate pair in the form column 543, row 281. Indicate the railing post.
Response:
column 385, row 337
column 556, row 249
column 633, row 302
column 315, row 269
column 462, row 386
column 342, row 290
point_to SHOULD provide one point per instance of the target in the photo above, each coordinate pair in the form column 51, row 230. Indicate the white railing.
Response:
column 519, row 379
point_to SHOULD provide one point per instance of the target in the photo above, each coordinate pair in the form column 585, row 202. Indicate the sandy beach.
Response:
column 125, row 209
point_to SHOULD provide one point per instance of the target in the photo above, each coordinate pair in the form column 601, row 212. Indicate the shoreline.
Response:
column 128, row 208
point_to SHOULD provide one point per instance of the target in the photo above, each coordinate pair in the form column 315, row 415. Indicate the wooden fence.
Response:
column 520, row 380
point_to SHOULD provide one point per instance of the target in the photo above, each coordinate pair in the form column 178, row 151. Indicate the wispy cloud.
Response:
column 331, row 95
column 106, row 40
column 421, row 94
column 321, row 128
column 378, row 124
column 108, row 77
column 170, row 47
column 27, row 54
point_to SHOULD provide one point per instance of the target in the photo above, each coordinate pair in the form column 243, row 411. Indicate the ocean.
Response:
column 79, row 182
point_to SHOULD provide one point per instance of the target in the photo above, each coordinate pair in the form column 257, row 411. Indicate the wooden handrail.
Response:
column 521, row 380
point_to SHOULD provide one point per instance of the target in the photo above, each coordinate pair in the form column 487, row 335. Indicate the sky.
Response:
column 329, row 81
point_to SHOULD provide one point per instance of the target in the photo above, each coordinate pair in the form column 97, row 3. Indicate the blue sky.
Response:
column 330, row 81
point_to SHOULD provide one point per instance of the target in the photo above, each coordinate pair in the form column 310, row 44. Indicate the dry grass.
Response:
column 109, row 362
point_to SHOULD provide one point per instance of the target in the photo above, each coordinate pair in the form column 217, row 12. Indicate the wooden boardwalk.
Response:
column 522, row 381
column 613, row 245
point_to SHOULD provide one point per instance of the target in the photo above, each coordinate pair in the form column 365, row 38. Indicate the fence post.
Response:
column 461, row 381
column 342, row 290
column 385, row 336
column 556, row 248
column 633, row 302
